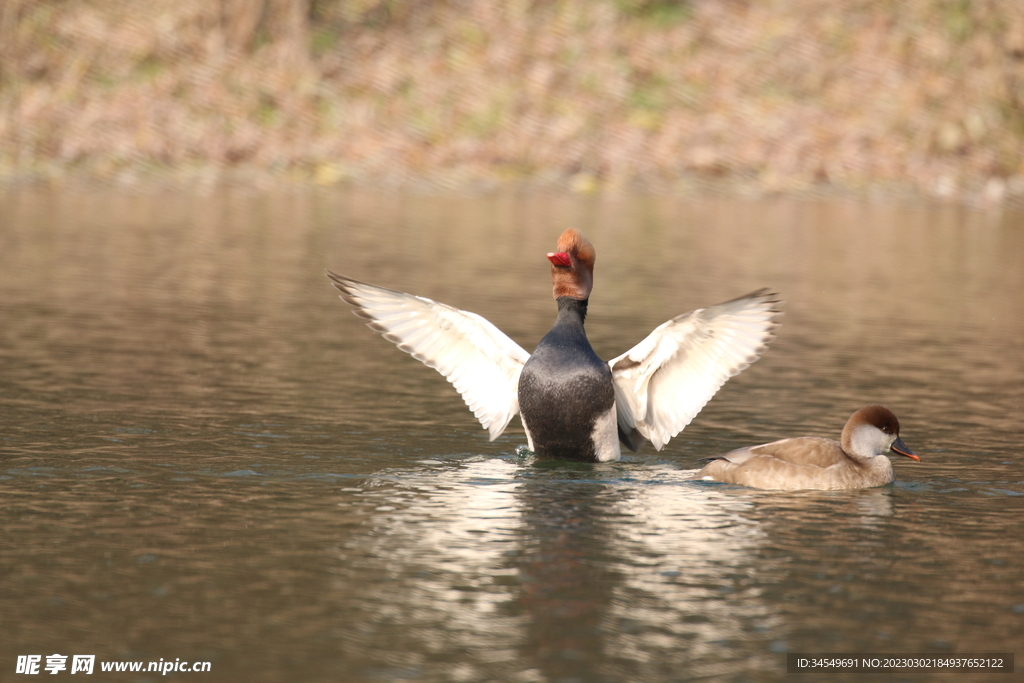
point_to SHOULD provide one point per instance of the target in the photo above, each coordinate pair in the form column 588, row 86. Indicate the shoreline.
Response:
column 926, row 99
column 1009, row 193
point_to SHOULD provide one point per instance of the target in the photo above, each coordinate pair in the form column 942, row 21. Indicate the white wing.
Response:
column 480, row 361
column 664, row 381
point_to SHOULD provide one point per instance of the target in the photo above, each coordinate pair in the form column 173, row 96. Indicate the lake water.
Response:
column 205, row 457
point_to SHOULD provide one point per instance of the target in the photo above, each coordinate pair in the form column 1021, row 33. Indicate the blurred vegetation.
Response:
column 780, row 94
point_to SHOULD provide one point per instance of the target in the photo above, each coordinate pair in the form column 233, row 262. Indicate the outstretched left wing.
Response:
column 665, row 380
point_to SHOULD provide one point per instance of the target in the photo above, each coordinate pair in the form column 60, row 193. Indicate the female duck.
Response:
column 810, row 462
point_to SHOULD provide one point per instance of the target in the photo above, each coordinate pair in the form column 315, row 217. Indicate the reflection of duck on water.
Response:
column 573, row 405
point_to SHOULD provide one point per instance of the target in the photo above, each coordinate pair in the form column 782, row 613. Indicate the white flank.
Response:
column 606, row 437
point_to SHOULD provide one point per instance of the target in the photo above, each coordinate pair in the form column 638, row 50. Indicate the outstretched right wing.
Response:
column 480, row 361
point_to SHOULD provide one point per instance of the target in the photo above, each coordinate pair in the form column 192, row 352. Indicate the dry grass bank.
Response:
column 779, row 94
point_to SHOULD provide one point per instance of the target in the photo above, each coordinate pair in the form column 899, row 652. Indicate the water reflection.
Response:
column 607, row 572
column 431, row 564
column 686, row 583
column 589, row 573
column 599, row 573
column 568, row 575
column 203, row 455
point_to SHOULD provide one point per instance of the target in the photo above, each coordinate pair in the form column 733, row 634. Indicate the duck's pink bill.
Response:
column 560, row 259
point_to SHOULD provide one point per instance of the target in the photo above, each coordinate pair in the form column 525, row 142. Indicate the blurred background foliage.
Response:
column 783, row 95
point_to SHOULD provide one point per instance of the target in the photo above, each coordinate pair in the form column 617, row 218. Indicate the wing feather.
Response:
column 665, row 380
column 479, row 360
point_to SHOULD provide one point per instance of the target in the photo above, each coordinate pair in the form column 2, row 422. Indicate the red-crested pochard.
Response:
column 573, row 405
column 811, row 462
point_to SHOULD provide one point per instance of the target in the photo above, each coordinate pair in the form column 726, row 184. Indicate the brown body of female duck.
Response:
column 857, row 461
